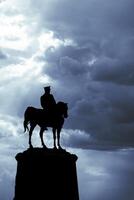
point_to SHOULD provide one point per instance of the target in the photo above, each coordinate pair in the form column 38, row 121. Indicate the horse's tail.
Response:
column 26, row 119
column 25, row 124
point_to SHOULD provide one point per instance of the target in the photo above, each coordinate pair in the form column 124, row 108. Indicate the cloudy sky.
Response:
column 85, row 51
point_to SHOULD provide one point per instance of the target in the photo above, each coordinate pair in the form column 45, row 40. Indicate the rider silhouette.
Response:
column 47, row 101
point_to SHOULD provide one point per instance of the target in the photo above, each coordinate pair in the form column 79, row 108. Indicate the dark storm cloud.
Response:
column 94, row 73
column 103, row 108
column 69, row 62
column 114, row 71
column 77, row 18
column 106, row 175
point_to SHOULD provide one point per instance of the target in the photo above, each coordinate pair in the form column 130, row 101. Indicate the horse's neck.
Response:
column 59, row 111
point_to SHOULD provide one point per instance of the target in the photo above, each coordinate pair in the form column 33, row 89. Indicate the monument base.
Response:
column 46, row 175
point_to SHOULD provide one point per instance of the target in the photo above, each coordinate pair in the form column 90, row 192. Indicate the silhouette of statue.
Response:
column 34, row 116
column 46, row 173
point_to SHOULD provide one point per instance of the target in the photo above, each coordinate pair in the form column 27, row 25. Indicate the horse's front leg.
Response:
column 41, row 137
column 54, row 137
column 58, row 138
column 30, row 134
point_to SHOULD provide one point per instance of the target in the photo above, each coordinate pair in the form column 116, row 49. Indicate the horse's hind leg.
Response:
column 54, row 137
column 41, row 137
column 30, row 134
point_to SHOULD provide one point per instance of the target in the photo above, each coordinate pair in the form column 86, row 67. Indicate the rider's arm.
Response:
column 53, row 99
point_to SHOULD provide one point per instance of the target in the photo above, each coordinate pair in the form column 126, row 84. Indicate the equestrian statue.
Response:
column 52, row 115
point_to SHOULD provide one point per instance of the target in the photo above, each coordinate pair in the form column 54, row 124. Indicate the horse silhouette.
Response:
column 40, row 117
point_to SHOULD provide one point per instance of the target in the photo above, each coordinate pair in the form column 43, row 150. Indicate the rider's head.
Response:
column 47, row 89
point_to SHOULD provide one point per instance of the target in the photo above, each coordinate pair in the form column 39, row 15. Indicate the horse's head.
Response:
column 63, row 108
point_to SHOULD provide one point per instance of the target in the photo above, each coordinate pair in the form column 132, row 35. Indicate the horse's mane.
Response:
column 60, row 103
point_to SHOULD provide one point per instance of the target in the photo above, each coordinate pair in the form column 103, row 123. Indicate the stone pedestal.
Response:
column 46, row 175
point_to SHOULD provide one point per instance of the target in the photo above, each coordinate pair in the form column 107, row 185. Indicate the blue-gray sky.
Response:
column 85, row 51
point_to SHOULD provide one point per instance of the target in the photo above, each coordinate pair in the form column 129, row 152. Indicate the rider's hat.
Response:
column 47, row 88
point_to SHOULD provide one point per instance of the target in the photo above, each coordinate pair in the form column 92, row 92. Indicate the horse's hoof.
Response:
column 61, row 149
column 55, row 148
column 44, row 147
